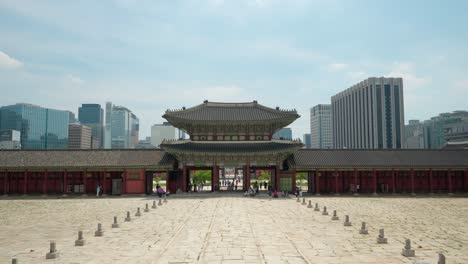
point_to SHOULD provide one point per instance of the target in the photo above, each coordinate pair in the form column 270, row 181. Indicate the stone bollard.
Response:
column 310, row 204
column 335, row 217
column 407, row 251
column 138, row 213
column 441, row 259
column 14, row 261
column 303, row 201
column 154, row 205
column 80, row 241
column 298, row 200
column 53, row 253
column 347, row 222
column 128, row 218
column 159, row 203
column 363, row 230
column 165, row 198
column 115, row 224
column 324, row 211
column 146, row 208
column 381, row 239
column 316, row 207
column 99, row 232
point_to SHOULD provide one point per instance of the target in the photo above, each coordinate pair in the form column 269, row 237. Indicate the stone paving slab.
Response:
column 234, row 230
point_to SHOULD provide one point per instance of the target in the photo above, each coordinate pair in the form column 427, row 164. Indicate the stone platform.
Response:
column 234, row 230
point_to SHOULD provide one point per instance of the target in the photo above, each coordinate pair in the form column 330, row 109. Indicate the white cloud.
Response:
column 8, row 62
column 405, row 70
column 334, row 67
column 358, row 75
column 74, row 79
column 215, row 93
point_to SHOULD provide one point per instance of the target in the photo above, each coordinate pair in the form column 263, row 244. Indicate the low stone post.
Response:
column 347, row 222
column 115, row 224
column 146, row 208
column 160, row 202
column 80, row 241
column 165, row 198
column 298, row 200
column 441, row 259
column 335, row 217
column 381, row 239
column 138, row 213
column 363, row 230
column 407, row 251
column 99, row 232
column 154, row 205
column 310, row 204
column 14, row 261
column 316, row 207
column 324, row 211
column 128, row 218
column 303, row 201
column 53, row 253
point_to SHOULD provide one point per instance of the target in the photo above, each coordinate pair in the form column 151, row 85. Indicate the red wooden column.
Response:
column 337, row 189
column 247, row 176
column 215, row 178
column 124, row 181
column 317, row 183
column 168, row 180
column 355, row 183
column 277, row 177
column 104, row 183
column 465, row 181
column 65, row 183
column 184, row 178
column 393, row 182
column 44, row 183
column 374, row 181
column 5, row 184
column 412, row 182
column 293, row 176
column 449, row 182
column 83, row 175
column 25, row 183
column 431, row 182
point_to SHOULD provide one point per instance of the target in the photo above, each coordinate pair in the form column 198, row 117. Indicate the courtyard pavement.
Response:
column 190, row 229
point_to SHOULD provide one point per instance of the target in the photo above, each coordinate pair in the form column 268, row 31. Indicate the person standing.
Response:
column 98, row 189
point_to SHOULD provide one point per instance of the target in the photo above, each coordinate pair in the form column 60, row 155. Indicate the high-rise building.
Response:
column 71, row 117
column 307, row 140
column 457, row 132
column 437, row 128
column 160, row 132
column 92, row 115
column 10, row 139
column 321, row 126
column 283, row 134
column 122, row 127
column 414, row 135
column 40, row 128
column 79, row 136
column 369, row 115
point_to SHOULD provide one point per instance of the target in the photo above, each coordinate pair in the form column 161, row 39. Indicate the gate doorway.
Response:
column 199, row 180
column 231, row 179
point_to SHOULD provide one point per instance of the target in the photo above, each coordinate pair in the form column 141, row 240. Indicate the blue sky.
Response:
column 154, row 55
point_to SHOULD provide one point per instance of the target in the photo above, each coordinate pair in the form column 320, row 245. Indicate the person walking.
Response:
column 98, row 189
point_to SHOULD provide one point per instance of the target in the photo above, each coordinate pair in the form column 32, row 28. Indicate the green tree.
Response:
column 201, row 175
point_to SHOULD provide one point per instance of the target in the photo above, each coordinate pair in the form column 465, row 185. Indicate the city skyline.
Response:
column 288, row 54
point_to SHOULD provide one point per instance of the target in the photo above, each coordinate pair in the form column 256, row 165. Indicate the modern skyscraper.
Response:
column 414, row 135
column 92, row 115
column 79, row 136
column 321, row 126
column 437, row 128
column 283, row 134
column 10, row 139
column 40, row 128
column 369, row 115
column 307, row 140
column 122, row 127
column 159, row 132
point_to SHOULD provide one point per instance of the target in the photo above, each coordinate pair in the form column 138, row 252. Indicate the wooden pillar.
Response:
column 104, row 182
column 337, row 188
column 247, row 176
column 44, row 183
column 449, row 182
column 412, row 182
column 355, row 182
column 317, row 183
column 277, row 177
column 393, row 182
column 5, row 184
column 214, row 178
column 168, row 180
column 84, row 176
column 465, row 181
column 293, row 176
column 374, row 181
column 431, row 182
column 25, row 182
column 65, row 183
column 124, row 181
column 184, row 179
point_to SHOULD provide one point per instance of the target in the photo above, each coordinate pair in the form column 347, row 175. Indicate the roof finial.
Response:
column 206, row 101
column 255, row 101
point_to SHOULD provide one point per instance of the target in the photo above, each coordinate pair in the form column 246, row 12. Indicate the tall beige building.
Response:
column 79, row 137
column 369, row 115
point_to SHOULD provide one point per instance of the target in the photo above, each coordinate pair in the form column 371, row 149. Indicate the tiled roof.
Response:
column 230, row 146
column 211, row 111
column 22, row 159
column 380, row 158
